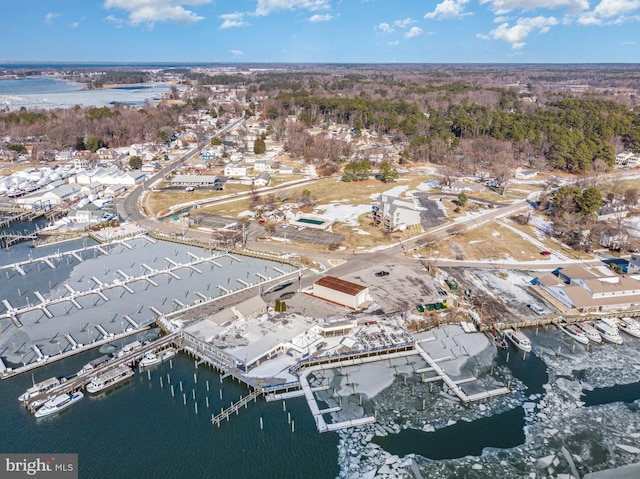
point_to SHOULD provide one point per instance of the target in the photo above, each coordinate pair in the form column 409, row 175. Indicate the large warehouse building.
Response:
column 341, row 292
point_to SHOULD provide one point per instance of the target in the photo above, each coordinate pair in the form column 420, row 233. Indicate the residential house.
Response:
column 263, row 179
column 523, row 174
column 612, row 210
column 286, row 169
column 233, row 169
column 262, row 165
column 614, row 238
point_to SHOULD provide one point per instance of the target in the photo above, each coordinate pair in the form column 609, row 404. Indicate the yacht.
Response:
column 630, row 326
column 608, row 332
column 518, row 339
column 39, row 388
column 591, row 332
column 109, row 379
column 150, row 359
column 575, row 332
column 58, row 403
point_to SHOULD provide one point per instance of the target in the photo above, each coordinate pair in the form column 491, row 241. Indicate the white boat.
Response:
column 39, row 388
column 150, row 359
column 608, row 333
column 591, row 332
column 109, row 379
column 518, row 339
column 128, row 348
column 168, row 354
column 630, row 326
column 575, row 332
column 58, row 403
column 91, row 365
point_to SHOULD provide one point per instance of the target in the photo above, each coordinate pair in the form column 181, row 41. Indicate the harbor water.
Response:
column 563, row 395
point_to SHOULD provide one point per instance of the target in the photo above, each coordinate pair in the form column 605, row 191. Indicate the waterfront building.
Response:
column 341, row 292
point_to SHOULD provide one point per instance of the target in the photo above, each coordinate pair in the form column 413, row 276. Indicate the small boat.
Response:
column 591, row 332
column 127, row 348
column 518, row 339
column 168, row 354
column 109, row 379
column 91, row 365
column 39, row 388
column 629, row 326
column 575, row 332
column 58, row 403
column 497, row 338
column 608, row 332
column 150, row 359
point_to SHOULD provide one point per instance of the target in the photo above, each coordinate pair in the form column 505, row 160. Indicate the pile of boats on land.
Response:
column 605, row 329
column 95, row 384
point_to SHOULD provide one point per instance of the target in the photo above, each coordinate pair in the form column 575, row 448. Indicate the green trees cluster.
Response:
column 386, row 173
column 357, row 170
column 259, row 146
column 573, row 199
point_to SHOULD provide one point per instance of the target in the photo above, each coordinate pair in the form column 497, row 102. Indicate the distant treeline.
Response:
column 120, row 78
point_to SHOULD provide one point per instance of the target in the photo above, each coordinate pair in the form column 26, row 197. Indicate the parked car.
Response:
column 545, row 253
column 535, row 308
column 380, row 274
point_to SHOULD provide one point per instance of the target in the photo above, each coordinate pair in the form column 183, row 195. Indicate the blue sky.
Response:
column 353, row 31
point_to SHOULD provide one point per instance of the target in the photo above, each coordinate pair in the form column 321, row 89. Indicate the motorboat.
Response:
column 608, row 332
column 518, row 339
column 150, row 359
column 39, row 388
column 575, row 332
column 497, row 338
column 109, row 379
column 58, row 403
column 91, row 365
column 167, row 354
column 629, row 326
column 591, row 332
column 127, row 348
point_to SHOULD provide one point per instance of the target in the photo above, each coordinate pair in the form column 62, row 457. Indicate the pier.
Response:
column 235, row 407
column 77, row 382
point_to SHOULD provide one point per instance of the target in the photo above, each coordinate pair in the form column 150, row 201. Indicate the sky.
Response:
column 321, row 31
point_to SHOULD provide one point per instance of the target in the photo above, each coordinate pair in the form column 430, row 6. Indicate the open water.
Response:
column 49, row 93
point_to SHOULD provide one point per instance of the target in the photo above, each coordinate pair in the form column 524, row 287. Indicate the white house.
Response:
column 233, row 169
column 286, row 169
column 262, row 165
column 263, row 179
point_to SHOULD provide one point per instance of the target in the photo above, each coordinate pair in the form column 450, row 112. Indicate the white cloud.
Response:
column 233, row 20
column 504, row 6
column 152, row 11
column 404, row 23
column 320, row 18
column 74, row 25
column 265, row 7
column 384, row 28
column 118, row 22
column 50, row 17
column 610, row 11
column 394, row 43
column 414, row 32
column 516, row 34
column 237, row 53
column 449, row 10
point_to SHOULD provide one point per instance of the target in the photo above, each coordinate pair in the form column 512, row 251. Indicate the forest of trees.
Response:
column 467, row 118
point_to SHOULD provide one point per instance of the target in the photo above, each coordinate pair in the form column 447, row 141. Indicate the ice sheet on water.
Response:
column 594, row 438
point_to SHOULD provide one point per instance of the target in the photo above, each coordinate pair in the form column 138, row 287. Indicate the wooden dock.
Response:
column 235, row 407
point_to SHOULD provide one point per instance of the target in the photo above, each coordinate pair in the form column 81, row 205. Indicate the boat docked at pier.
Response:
column 109, row 379
column 497, row 338
column 629, row 326
column 575, row 332
column 167, row 354
column 150, row 359
column 127, row 348
column 39, row 388
column 591, row 332
column 91, row 365
column 58, row 403
column 608, row 332
column 518, row 339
